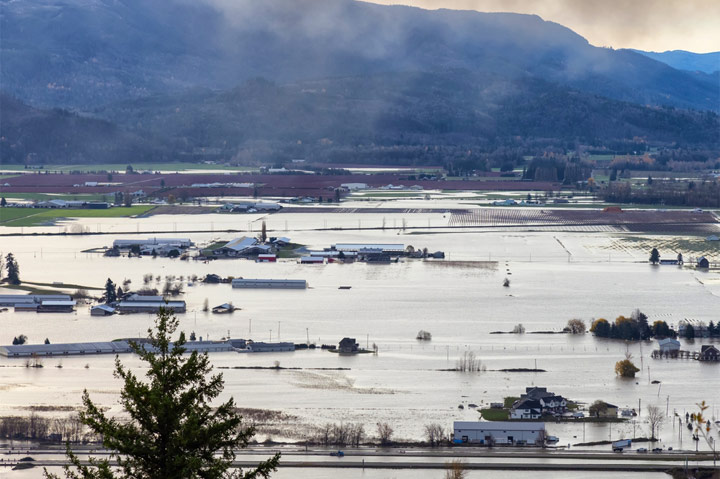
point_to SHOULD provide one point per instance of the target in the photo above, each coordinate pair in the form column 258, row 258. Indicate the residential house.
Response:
column 242, row 247
column 709, row 353
column 348, row 346
column 526, row 409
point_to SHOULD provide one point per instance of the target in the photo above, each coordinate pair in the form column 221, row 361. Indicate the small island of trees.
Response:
column 633, row 328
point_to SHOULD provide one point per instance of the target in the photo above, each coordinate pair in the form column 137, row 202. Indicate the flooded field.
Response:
column 554, row 276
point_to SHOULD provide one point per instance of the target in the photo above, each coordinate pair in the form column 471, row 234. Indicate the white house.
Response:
column 527, row 409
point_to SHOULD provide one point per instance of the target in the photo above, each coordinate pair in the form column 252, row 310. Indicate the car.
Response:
column 657, row 449
column 641, row 449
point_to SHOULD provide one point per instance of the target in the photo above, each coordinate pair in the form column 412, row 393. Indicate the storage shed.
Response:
column 499, row 432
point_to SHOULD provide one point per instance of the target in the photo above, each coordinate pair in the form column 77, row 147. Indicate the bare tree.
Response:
column 455, row 469
column 435, row 434
column 357, row 433
column 519, row 329
column 656, row 420
column 385, row 433
column 468, row 362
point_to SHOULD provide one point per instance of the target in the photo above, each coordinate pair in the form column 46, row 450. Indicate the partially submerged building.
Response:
column 269, row 283
column 493, row 433
column 39, row 303
column 149, row 304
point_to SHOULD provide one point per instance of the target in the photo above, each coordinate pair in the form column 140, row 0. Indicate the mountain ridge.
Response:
column 85, row 54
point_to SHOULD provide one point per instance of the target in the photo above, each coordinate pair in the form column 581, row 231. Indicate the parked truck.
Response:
column 618, row 446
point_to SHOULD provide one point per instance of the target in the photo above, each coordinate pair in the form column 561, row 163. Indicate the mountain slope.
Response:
column 689, row 61
column 85, row 53
column 58, row 136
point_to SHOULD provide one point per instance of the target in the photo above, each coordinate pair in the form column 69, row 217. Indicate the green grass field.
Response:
column 41, row 216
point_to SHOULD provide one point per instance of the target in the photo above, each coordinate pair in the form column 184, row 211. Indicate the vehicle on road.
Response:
column 338, row 454
column 618, row 446
column 657, row 449
column 642, row 449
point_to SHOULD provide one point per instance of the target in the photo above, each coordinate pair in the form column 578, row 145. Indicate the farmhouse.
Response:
column 709, row 353
column 699, row 327
column 348, row 346
column 499, row 433
column 526, row 409
column 549, row 402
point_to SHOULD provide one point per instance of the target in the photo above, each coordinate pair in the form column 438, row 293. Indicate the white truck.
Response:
column 618, row 446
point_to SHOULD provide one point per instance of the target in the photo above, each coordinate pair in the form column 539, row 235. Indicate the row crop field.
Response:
column 43, row 216
column 577, row 217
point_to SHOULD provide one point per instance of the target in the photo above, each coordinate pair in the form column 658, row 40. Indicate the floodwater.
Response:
column 555, row 276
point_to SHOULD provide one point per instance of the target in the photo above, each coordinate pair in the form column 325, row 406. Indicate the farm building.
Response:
column 499, row 432
column 152, row 242
column 67, row 306
column 703, row 263
column 312, row 260
column 668, row 346
column 224, row 308
column 149, row 304
column 269, row 283
column 266, row 258
column 699, row 327
column 13, row 300
column 262, row 347
column 66, row 349
column 243, row 246
column 386, row 248
column 102, row 310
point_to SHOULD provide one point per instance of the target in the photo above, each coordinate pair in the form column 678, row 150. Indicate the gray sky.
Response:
column 653, row 25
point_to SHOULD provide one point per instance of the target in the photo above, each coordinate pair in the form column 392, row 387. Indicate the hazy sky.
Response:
column 654, row 25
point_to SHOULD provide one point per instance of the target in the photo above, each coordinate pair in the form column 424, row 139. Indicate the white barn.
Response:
column 499, row 432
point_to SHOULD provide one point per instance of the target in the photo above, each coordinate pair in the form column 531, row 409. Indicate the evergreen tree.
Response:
column 3, row 202
column 47, row 341
column 172, row 431
column 110, row 291
column 12, row 269
column 119, row 293
column 689, row 332
column 654, row 256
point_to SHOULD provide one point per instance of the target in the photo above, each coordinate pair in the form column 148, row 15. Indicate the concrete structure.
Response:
column 499, row 433
column 668, row 345
column 269, row 283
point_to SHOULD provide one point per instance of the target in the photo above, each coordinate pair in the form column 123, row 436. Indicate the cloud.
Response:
column 643, row 24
